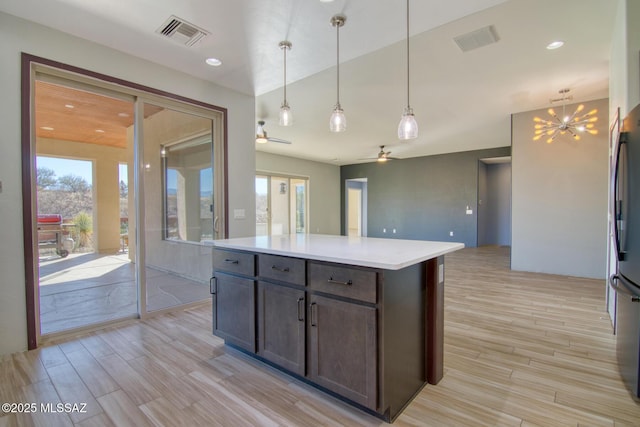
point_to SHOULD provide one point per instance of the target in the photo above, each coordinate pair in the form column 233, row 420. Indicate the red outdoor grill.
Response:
column 50, row 233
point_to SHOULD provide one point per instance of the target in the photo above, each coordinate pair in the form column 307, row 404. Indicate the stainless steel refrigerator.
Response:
column 626, row 282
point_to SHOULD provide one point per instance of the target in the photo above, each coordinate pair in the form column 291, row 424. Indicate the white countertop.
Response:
column 389, row 254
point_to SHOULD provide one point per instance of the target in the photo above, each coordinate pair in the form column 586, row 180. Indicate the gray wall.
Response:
column 423, row 197
column 494, row 204
column 560, row 198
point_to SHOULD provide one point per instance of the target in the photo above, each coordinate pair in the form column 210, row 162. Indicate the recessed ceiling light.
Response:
column 69, row 106
column 556, row 44
column 123, row 115
column 99, row 131
column 214, row 62
column 46, row 128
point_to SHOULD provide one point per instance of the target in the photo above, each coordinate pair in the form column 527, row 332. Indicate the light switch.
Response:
column 238, row 214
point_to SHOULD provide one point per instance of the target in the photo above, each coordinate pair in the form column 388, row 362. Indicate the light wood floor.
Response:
column 520, row 350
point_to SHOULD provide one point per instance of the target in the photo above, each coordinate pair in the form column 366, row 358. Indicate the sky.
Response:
column 82, row 168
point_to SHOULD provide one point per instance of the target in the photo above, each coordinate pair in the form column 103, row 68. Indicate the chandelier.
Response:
column 573, row 124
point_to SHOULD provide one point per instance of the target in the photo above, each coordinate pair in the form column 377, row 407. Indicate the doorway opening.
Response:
column 82, row 278
column 494, row 201
column 356, row 207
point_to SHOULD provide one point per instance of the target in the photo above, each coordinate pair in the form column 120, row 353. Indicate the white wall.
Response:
column 560, row 199
column 324, row 188
column 624, row 67
column 16, row 36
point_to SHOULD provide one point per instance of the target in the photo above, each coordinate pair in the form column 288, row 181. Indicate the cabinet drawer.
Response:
column 284, row 269
column 343, row 281
column 234, row 262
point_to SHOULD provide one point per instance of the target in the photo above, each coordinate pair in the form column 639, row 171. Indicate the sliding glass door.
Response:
column 125, row 190
column 181, row 207
column 281, row 205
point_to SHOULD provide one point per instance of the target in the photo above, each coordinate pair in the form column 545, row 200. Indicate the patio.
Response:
column 88, row 288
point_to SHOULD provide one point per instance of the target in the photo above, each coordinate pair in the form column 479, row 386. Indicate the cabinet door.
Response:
column 281, row 331
column 343, row 349
column 234, row 310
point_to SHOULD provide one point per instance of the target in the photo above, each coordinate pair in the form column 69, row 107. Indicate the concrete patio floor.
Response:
column 88, row 288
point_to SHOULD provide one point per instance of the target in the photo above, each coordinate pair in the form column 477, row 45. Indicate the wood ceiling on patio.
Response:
column 69, row 114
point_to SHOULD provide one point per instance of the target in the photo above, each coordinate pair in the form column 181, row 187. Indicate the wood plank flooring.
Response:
column 521, row 349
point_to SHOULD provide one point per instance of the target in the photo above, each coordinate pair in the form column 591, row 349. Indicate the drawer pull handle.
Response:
column 337, row 282
column 231, row 261
column 213, row 281
column 301, row 309
column 314, row 314
column 280, row 269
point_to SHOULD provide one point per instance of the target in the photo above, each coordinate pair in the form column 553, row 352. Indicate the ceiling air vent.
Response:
column 181, row 31
column 477, row 38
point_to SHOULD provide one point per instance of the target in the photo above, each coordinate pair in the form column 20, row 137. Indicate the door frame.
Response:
column 268, row 175
column 360, row 183
column 29, row 65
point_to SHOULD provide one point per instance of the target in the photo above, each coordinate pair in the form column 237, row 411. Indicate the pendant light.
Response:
column 408, row 127
column 338, row 122
column 286, row 117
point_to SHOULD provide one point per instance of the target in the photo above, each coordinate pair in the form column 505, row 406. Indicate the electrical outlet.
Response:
column 451, row 233
column 384, row 230
column 393, row 231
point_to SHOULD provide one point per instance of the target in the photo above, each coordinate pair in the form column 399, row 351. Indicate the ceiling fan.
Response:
column 383, row 156
column 262, row 138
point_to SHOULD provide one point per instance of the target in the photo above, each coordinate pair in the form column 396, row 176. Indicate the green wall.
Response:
column 423, row 197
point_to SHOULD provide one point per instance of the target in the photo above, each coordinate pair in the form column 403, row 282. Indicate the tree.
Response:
column 73, row 183
column 45, row 178
column 124, row 190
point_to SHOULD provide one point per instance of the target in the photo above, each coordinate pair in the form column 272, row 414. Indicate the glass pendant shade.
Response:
column 408, row 127
column 286, row 116
column 338, row 121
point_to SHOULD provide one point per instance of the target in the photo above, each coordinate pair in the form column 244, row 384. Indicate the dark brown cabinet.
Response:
column 234, row 310
column 343, row 348
column 371, row 336
column 281, row 326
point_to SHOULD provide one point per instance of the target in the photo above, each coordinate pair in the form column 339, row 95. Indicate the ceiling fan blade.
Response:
column 278, row 140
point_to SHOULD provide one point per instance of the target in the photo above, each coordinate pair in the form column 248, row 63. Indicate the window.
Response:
column 188, row 187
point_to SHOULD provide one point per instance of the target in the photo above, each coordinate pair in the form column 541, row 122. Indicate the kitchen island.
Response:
column 360, row 318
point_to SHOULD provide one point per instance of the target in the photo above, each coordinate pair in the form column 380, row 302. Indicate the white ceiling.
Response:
column 462, row 101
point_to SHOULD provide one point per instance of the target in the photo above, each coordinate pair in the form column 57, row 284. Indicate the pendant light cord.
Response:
column 338, row 61
column 285, row 75
column 408, row 103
